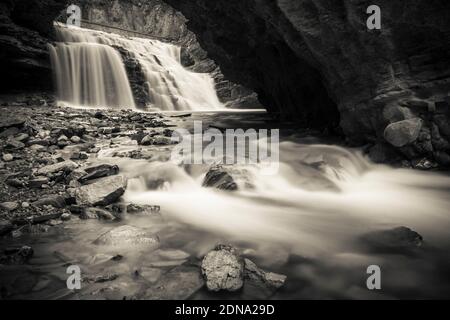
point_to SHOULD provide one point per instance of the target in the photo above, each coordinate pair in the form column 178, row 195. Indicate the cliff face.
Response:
column 300, row 56
column 25, row 27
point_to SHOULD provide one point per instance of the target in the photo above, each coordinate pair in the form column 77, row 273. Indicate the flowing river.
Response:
column 306, row 221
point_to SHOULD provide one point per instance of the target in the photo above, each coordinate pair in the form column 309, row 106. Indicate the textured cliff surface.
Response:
column 304, row 56
column 25, row 27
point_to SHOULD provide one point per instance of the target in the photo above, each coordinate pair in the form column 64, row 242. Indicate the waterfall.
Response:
column 171, row 86
column 90, row 72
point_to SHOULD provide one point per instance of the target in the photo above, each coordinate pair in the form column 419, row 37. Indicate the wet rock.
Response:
column 261, row 277
column 9, row 205
column 150, row 274
column 396, row 239
column 223, row 269
column 14, row 144
column 128, row 236
column 97, row 213
column 403, row 132
column 66, row 216
column 55, row 201
column 25, row 205
column 99, row 171
column 5, row 227
column 156, row 140
column 172, row 254
column 101, row 278
column 218, row 178
column 75, row 139
column 22, row 137
column 17, row 255
column 7, row 157
column 180, row 283
column 142, row 209
column 424, row 164
column 102, row 192
column 79, row 156
column 67, row 166
column 37, row 182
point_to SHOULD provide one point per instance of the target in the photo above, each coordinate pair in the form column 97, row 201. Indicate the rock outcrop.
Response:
column 25, row 27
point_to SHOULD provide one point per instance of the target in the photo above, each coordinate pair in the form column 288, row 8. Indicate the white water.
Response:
column 320, row 201
column 89, row 71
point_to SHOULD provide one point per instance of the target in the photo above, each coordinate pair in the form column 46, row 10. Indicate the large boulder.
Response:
column 403, row 132
column 101, row 192
column 223, row 269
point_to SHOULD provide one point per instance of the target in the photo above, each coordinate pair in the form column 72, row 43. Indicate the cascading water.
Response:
column 171, row 87
column 90, row 72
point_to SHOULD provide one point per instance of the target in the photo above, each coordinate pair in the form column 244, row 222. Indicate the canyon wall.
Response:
column 25, row 29
column 391, row 86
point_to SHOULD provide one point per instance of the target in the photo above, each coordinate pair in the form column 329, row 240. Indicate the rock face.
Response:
column 25, row 27
column 102, row 192
column 223, row 269
column 316, row 60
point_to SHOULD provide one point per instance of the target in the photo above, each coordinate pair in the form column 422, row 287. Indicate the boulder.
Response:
column 99, row 171
column 396, row 239
column 261, row 277
column 403, row 132
column 128, row 236
column 57, row 167
column 101, row 192
column 218, row 178
column 223, row 269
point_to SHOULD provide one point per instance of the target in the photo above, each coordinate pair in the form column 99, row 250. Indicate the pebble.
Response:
column 7, row 157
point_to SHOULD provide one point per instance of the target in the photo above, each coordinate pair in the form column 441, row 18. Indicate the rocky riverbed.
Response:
column 96, row 189
column 54, row 184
